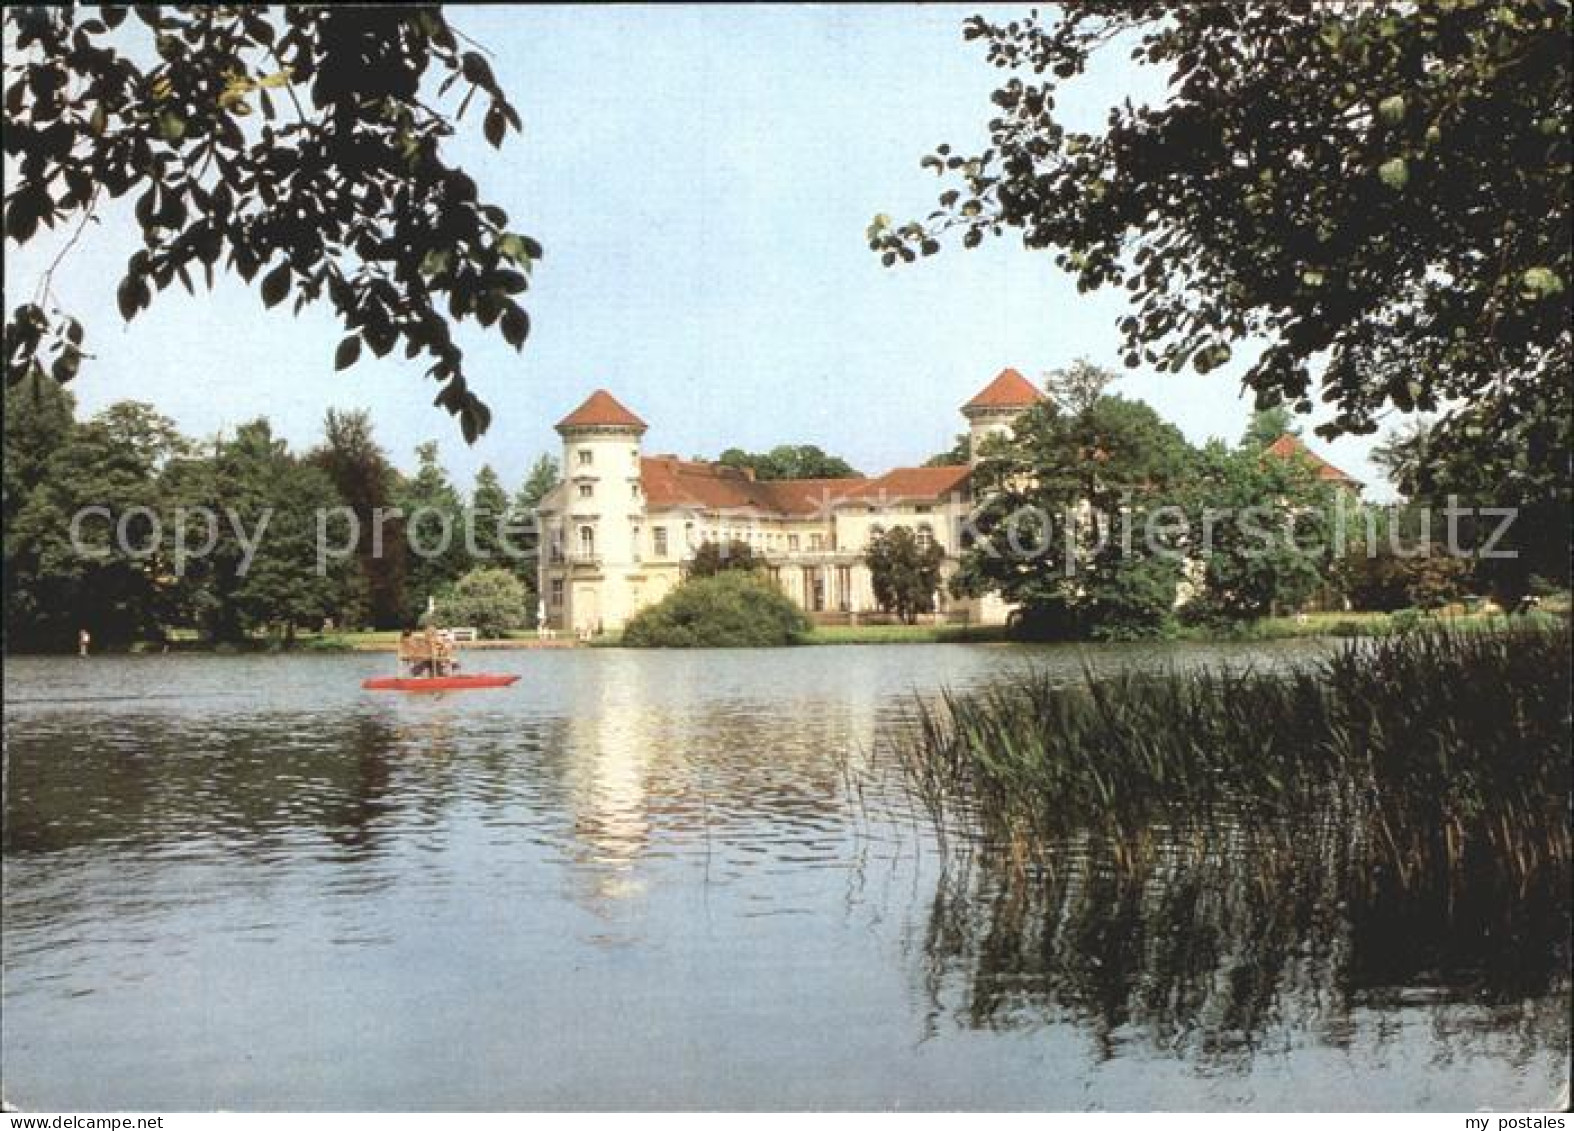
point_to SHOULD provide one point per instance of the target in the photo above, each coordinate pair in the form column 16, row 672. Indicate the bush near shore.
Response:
column 732, row 609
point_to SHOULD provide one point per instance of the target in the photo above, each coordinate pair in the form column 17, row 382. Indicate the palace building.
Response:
column 619, row 528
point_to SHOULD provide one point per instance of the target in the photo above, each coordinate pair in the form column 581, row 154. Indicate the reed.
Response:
column 1422, row 753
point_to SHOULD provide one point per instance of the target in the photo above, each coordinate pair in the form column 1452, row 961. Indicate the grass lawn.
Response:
column 905, row 634
column 1340, row 624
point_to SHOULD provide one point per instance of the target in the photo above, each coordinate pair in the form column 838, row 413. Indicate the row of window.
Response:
column 923, row 534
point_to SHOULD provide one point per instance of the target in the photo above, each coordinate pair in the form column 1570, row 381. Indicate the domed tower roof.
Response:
column 601, row 411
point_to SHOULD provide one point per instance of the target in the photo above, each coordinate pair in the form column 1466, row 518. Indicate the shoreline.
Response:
column 1335, row 626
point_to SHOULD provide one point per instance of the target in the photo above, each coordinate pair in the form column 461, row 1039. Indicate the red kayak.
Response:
column 438, row 682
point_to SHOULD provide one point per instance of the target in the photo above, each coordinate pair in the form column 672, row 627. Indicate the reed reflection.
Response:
column 1214, row 947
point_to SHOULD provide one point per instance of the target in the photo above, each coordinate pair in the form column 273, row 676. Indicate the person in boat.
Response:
column 415, row 658
column 439, row 652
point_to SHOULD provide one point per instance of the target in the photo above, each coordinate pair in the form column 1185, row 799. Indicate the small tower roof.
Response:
column 600, row 410
column 1008, row 390
column 1289, row 446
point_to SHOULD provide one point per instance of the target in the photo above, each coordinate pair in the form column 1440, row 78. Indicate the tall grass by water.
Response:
column 1417, row 756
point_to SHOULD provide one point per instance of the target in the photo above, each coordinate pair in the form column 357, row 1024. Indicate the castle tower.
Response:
column 601, row 515
column 997, row 404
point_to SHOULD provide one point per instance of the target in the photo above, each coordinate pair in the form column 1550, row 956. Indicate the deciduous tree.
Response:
column 904, row 574
column 1378, row 192
column 298, row 146
column 789, row 461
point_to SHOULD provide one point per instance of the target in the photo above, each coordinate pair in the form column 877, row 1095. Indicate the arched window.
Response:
column 587, row 541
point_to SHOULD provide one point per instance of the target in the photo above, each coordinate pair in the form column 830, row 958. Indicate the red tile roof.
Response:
column 810, row 496
column 1290, row 447
column 671, row 482
column 601, row 410
column 1008, row 390
column 915, row 483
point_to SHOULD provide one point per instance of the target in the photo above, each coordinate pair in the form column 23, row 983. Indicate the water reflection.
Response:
column 1213, row 953
column 669, row 881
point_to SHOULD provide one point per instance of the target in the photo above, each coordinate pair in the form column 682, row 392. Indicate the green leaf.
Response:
column 1541, row 282
column 276, row 284
column 1394, row 173
column 515, row 325
column 131, row 296
column 66, row 364
column 494, row 126
column 1392, row 109
column 171, row 126
column 348, row 353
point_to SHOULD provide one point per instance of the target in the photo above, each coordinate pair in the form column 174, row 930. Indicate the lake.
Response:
column 661, row 880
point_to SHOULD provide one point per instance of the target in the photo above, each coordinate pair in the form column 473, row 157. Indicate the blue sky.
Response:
column 700, row 179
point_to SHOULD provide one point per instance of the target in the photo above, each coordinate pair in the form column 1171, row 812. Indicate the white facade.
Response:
column 619, row 528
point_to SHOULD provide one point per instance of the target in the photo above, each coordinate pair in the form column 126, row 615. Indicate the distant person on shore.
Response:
column 84, row 641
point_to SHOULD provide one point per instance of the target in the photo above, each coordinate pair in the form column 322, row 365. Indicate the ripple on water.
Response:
column 622, row 872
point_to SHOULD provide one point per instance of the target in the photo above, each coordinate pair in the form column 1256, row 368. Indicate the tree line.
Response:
column 120, row 524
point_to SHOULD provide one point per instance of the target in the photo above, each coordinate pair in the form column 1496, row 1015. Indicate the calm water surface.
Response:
column 633, row 880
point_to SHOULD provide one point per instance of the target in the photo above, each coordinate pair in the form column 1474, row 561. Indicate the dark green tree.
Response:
column 904, row 574
column 341, row 191
column 261, row 573
column 789, row 461
column 543, row 477
column 1070, row 526
column 1267, row 425
column 1261, row 531
column 39, row 415
column 957, row 455
column 711, row 558
column 365, row 481
column 490, row 517
column 1379, row 192
column 1515, row 481
column 67, row 567
column 434, row 516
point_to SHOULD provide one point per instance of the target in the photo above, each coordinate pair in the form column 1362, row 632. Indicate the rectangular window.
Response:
column 557, row 590
column 792, row 543
column 633, row 490
column 586, row 490
column 636, row 539
column 659, row 537
column 816, row 541
column 586, row 457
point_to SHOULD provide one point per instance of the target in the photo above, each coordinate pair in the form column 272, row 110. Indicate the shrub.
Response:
column 492, row 601
column 1384, row 582
column 730, row 610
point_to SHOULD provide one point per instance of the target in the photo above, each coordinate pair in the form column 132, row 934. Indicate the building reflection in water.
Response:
column 728, row 787
column 610, row 743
